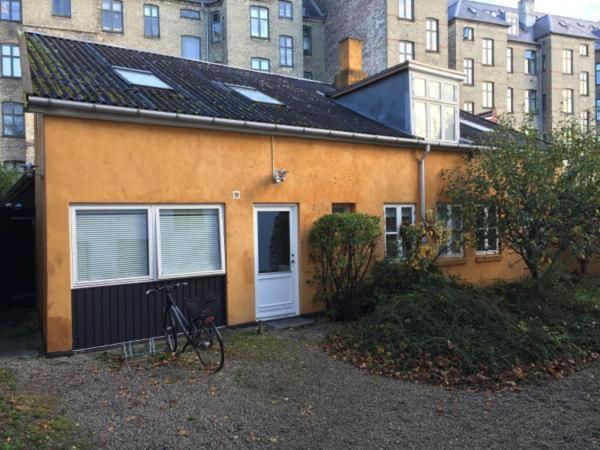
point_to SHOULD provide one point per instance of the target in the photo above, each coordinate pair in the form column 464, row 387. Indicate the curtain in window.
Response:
column 189, row 241
column 111, row 244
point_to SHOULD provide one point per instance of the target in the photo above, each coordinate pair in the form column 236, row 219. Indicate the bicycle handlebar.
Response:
column 168, row 287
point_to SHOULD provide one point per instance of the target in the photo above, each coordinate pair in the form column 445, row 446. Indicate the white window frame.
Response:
column 429, row 101
column 468, row 34
column 530, row 100
column 584, row 83
column 469, row 71
column 514, row 24
column 567, row 61
column 405, row 9
column 449, row 253
column 531, row 63
column 259, row 60
column 487, row 58
column 470, row 108
column 485, row 93
column 584, row 49
column 156, row 211
column 403, row 47
column 567, row 101
column 398, row 207
column 154, row 254
column 509, row 100
column 486, row 243
column 432, row 35
column 509, row 60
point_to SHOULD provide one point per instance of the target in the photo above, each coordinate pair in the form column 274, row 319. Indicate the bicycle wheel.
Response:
column 209, row 347
column 170, row 331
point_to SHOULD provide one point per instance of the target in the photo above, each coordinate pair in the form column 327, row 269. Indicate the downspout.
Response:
column 203, row 5
column 422, row 180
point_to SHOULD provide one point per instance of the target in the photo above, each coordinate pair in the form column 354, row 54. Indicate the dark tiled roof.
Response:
column 312, row 10
column 471, row 126
column 79, row 71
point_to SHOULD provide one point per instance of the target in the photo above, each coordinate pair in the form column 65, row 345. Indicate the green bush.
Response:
column 342, row 249
column 449, row 332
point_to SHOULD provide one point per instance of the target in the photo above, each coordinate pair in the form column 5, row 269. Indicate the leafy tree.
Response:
column 8, row 177
column 544, row 192
column 342, row 249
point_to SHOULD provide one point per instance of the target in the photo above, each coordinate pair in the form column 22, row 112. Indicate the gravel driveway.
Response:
column 280, row 390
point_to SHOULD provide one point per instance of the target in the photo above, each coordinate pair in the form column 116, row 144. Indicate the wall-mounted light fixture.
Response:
column 279, row 175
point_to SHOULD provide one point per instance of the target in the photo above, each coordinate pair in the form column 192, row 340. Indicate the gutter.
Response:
column 69, row 108
column 422, row 180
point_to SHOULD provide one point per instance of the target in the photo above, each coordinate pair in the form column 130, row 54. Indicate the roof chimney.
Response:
column 351, row 70
column 527, row 13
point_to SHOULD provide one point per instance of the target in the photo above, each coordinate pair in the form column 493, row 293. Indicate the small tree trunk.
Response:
column 582, row 266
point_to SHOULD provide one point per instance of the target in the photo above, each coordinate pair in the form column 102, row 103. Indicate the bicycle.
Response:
column 199, row 329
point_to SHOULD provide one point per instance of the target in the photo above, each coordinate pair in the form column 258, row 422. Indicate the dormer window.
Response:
column 141, row 78
column 435, row 108
column 255, row 95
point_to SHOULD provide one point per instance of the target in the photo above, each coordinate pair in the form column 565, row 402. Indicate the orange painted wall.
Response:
column 87, row 161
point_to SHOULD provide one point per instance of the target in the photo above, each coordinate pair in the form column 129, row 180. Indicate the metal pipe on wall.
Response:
column 422, row 180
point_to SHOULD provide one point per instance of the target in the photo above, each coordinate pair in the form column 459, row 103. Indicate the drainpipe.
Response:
column 422, row 179
column 207, row 38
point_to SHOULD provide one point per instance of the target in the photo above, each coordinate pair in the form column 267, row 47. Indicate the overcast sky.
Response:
column 582, row 9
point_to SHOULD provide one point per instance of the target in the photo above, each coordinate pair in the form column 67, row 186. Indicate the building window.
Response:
column 340, row 208
column 451, row 216
column 259, row 22
column 395, row 217
column 530, row 106
column 216, row 27
column 189, row 14
column 114, row 244
column 14, row 165
column 509, row 100
column 261, row 64
column 285, row 10
column 487, row 52
column 61, row 8
column 530, row 62
column 598, row 74
column 286, row 51
column 308, row 75
column 584, row 83
column 509, row 60
column 407, row 51
column 435, row 109
column 468, row 69
column 112, row 16
column 10, row 10
column 585, row 120
column 468, row 33
column 469, row 107
column 567, row 61
column 432, row 35
column 567, row 101
column 11, row 61
column 488, row 94
column 307, row 40
column 190, row 47
column 151, row 21
column 584, row 50
column 406, row 9
column 486, row 235
column 13, row 122
column 514, row 25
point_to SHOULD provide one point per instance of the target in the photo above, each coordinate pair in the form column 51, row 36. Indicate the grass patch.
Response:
column 249, row 345
column 450, row 333
column 32, row 421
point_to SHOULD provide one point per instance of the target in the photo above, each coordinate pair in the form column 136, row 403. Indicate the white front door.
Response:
column 275, row 261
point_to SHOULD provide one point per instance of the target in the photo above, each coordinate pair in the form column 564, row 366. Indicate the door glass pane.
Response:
column 273, row 241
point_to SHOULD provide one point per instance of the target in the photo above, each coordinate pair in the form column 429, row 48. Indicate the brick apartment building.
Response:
column 515, row 60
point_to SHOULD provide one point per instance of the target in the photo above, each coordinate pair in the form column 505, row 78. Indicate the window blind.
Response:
column 111, row 244
column 189, row 241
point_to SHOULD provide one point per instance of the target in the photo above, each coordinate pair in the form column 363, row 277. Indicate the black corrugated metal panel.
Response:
column 108, row 315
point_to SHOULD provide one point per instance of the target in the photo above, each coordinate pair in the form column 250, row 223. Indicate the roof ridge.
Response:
column 102, row 44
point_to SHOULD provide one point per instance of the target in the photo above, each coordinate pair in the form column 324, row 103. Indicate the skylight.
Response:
column 255, row 95
column 141, row 78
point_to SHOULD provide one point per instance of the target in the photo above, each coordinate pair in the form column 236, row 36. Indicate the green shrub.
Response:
column 342, row 248
column 450, row 332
